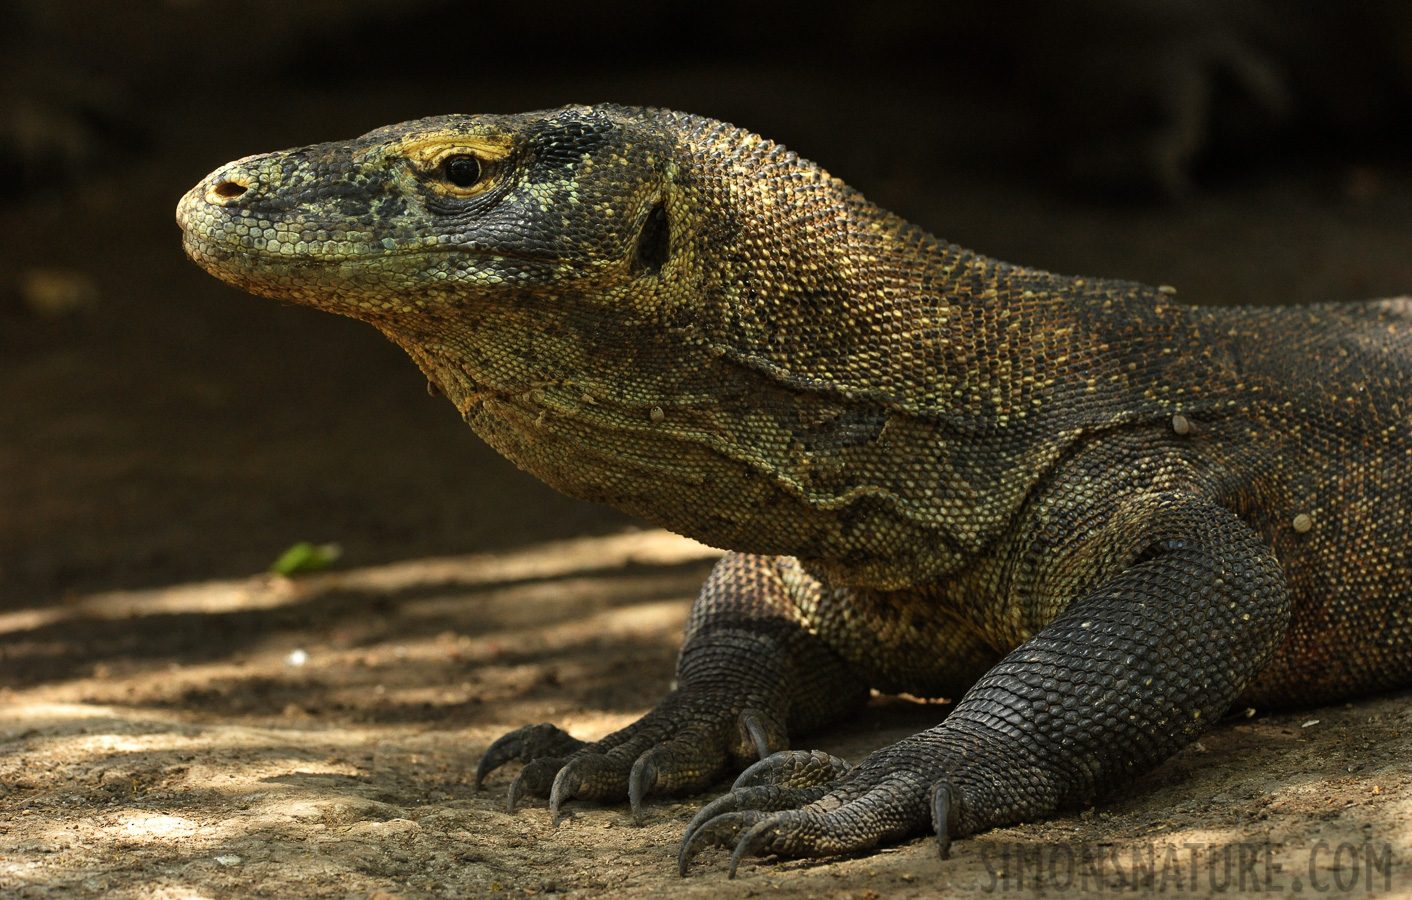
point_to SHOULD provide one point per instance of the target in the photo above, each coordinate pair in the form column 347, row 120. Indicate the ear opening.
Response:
column 654, row 242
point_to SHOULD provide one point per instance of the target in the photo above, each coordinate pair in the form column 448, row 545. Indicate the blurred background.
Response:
column 157, row 427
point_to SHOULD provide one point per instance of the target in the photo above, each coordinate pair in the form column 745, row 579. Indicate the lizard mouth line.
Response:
column 236, row 248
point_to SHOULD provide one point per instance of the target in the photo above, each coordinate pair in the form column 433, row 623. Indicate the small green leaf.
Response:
column 305, row 557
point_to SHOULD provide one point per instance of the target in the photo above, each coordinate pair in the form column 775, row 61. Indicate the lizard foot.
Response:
column 748, row 674
column 813, row 804
column 680, row 747
column 541, row 747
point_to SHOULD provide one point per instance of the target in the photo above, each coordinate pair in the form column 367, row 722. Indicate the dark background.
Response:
column 158, row 427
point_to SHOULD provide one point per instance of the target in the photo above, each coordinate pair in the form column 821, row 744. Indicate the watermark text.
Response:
column 1245, row 867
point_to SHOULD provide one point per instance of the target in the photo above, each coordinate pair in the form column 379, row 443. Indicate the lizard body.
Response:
column 1096, row 515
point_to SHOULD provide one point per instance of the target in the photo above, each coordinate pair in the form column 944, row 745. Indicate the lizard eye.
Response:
column 463, row 171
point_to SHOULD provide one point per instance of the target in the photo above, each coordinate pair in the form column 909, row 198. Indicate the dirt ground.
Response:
column 315, row 738
column 175, row 725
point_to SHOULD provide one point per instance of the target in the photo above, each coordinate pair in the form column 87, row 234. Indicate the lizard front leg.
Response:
column 749, row 675
column 1185, row 607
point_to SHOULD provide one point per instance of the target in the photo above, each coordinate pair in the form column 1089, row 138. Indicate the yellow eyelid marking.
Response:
column 429, row 152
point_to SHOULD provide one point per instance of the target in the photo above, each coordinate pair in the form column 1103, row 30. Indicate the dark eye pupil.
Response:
column 462, row 171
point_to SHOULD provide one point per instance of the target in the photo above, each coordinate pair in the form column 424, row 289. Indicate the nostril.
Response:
column 229, row 190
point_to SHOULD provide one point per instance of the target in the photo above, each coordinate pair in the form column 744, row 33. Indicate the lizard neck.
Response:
column 809, row 375
column 827, row 292
column 909, row 393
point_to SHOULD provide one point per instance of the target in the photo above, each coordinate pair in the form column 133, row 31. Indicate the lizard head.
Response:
column 643, row 308
column 540, row 268
column 421, row 219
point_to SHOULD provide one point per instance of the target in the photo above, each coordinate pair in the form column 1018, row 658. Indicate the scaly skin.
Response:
column 1097, row 516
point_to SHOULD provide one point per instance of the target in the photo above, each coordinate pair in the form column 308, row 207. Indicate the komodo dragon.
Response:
column 1095, row 515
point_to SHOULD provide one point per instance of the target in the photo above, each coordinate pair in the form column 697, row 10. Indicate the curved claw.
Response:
column 566, row 785
column 794, row 769
column 525, row 744
column 719, row 831
column 756, row 841
column 537, row 777
column 945, row 814
column 517, row 792
column 503, row 750
column 641, row 779
column 719, row 822
column 763, row 731
column 726, row 803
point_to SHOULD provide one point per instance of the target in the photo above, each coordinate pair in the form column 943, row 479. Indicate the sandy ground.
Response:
column 314, row 738
column 174, row 726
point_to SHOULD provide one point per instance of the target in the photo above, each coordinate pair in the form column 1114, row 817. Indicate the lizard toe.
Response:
column 719, row 822
column 762, row 838
column 592, row 776
column 525, row 745
column 536, row 778
column 720, row 829
column 814, row 831
column 843, row 814
column 794, row 768
column 687, row 763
